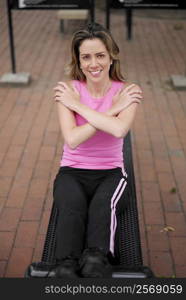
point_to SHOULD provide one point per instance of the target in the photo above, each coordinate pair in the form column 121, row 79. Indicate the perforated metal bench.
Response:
column 128, row 246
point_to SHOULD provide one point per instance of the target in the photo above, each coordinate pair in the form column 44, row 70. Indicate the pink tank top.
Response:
column 101, row 151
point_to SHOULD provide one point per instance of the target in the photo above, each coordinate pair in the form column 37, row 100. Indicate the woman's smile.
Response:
column 96, row 73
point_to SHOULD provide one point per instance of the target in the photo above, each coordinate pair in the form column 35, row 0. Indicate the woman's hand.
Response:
column 125, row 97
column 69, row 97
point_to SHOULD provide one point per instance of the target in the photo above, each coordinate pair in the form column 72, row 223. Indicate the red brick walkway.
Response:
column 30, row 140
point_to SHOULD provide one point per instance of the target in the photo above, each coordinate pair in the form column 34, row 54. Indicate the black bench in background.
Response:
column 42, row 5
column 128, row 250
column 130, row 6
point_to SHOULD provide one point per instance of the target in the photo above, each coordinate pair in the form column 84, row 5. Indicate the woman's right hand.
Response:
column 125, row 97
column 67, row 95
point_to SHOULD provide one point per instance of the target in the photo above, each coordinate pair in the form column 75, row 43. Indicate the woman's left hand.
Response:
column 69, row 97
column 126, row 96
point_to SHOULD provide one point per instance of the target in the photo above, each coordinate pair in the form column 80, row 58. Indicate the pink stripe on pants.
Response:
column 115, row 198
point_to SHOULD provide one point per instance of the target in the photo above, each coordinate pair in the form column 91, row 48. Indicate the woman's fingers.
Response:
column 129, row 87
column 136, row 100
column 133, row 88
column 135, row 92
column 58, row 89
column 61, row 87
column 136, row 95
column 63, row 84
column 57, row 96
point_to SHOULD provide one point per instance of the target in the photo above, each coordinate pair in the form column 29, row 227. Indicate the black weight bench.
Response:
column 129, row 262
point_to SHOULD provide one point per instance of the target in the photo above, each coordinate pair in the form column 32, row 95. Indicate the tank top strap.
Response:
column 116, row 85
column 77, row 84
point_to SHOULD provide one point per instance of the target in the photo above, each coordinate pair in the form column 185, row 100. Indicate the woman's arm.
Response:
column 115, row 125
column 75, row 135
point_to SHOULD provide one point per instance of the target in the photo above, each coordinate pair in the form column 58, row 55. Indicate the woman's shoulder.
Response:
column 118, row 84
column 70, row 83
column 74, row 84
column 130, row 83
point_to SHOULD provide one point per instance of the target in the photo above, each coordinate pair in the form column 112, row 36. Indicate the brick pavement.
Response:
column 30, row 140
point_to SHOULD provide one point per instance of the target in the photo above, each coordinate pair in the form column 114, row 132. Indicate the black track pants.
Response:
column 88, row 202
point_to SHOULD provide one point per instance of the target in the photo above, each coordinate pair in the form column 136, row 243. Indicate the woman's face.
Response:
column 94, row 60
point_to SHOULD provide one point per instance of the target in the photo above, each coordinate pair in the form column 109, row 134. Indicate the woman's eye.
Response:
column 86, row 57
column 101, row 55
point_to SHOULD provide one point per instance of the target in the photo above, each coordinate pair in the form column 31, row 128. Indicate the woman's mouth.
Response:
column 95, row 73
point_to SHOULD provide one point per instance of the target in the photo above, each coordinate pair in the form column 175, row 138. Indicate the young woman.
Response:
column 96, row 110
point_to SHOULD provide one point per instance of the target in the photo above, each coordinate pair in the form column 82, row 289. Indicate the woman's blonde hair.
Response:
column 92, row 31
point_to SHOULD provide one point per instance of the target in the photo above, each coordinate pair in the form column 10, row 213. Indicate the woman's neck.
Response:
column 98, row 90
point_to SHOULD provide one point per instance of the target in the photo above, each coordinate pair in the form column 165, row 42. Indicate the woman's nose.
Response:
column 93, row 62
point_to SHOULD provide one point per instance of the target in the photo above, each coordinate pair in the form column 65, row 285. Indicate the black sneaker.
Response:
column 94, row 264
column 68, row 268
column 40, row 270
